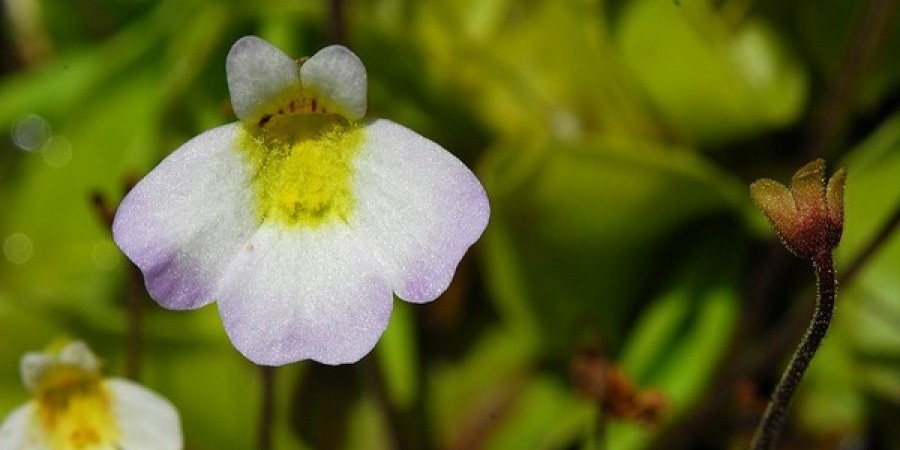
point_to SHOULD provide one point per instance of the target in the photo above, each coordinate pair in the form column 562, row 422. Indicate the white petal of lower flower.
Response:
column 418, row 205
column 20, row 431
column 182, row 223
column 338, row 77
column 257, row 73
column 146, row 420
column 304, row 293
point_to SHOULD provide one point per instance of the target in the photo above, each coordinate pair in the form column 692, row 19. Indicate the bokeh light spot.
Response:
column 18, row 248
column 30, row 132
column 57, row 151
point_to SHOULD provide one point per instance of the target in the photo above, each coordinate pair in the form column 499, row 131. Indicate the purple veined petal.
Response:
column 145, row 420
column 337, row 77
column 304, row 293
column 418, row 205
column 257, row 73
column 182, row 224
column 20, row 430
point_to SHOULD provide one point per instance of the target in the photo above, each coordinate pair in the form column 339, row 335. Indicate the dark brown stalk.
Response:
column 403, row 434
column 773, row 419
column 266, row 408
column 336, row 21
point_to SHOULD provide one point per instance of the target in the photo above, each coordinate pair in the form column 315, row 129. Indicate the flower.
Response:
column 75, row 408
column 808, row 217
column 302, row 218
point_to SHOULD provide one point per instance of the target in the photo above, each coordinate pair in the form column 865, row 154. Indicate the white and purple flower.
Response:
column 75, row 408
column 302, row 218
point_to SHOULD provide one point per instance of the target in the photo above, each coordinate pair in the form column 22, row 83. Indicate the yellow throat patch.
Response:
column 302, row 167
column 74, row 408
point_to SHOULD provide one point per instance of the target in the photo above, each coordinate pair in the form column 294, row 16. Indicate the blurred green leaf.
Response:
column 578, row 225
column 397, row 352
column 678, row 340
column 545, row 68
column 713, row 81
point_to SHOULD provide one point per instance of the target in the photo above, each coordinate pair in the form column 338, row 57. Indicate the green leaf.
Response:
column 576, row 229
column 713, row 81
column 682, row 335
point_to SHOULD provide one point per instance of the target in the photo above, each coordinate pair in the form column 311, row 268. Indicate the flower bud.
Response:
column 808, row 217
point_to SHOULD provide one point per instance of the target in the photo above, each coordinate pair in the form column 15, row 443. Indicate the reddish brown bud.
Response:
column 808, row 217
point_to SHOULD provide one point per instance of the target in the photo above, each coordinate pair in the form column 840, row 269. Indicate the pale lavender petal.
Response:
column 304, row 293
column 257, row 73
column 146, row 420
column 183, row 222
column 419, row 206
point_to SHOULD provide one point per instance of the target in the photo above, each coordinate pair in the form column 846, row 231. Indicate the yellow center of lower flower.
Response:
column 302, row 167
column 74, row 409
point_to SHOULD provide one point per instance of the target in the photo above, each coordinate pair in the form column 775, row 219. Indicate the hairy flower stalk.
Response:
column 809, row 219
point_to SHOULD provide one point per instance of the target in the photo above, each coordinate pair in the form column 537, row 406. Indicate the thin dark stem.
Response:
column 773, row 419
column 739, row 361
column 336, row 20
column 267, row 408
column 829, row 120
column 402, row 433
column 135, row 312
column 134, row 295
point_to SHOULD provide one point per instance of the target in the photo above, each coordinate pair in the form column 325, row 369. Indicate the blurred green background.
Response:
column 616, row 141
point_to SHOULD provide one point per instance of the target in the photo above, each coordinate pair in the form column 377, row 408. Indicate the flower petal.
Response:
column 183, row 222
column 20, row 431
column 337, row 77
column 78, row 354
column 419, row 206
column 808, row 189
column 146, row 420
column 257, row 73
column 33, row 366
column 298, row 293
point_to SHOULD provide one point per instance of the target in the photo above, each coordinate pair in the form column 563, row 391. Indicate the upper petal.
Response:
column 20, row 431
column 337, row 76
column 33, row 366
column 257, row 73
column 78, row 354
column 304, row 293
column 777, row 203
column 419, row 206
column 808, row 189
column 146, row 420
column 185, row 220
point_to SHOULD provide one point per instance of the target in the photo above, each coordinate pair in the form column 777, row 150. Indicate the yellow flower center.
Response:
column 302, row 166
column 74, row 409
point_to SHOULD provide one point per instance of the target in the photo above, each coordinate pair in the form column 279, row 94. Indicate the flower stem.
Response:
column 400, row 425
column 134, row 296
column 337, row 21
column 267, row 407
column 773, row 419
column 135, row 312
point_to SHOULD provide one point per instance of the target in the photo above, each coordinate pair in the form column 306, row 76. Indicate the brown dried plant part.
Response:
column 605, row 383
